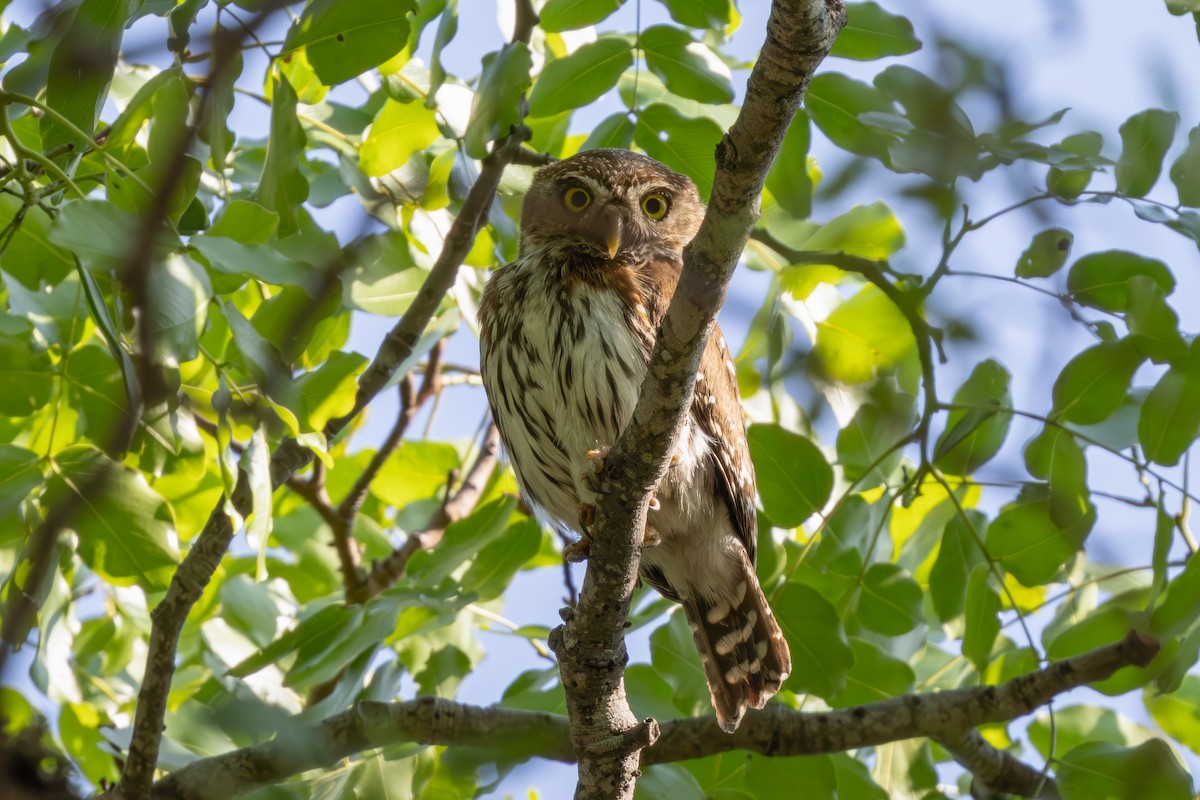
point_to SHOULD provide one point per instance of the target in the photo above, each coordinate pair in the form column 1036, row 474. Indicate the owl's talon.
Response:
column 650, row 537
column 654, row 504
column 577, row 552
column 676, row 457
column 593, row 471
column 587, row 516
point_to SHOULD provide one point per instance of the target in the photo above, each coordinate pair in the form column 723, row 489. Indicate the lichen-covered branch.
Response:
column 590, row 646
column 949, row 716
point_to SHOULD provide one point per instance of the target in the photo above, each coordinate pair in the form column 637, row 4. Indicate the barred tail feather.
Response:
column 742, row 648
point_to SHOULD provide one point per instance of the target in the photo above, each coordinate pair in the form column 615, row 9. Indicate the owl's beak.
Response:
column 612, row 229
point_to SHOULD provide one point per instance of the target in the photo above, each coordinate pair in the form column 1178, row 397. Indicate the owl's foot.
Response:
column 676, row 457
column 593, row 470
column 576, row 552
column 651, row 537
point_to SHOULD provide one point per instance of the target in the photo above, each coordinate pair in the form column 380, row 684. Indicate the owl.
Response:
column 566, row 333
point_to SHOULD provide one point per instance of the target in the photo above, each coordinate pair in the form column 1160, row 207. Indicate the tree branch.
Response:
column 998, row 773
column 386, row 572
column 590, row 646
column 948, row 716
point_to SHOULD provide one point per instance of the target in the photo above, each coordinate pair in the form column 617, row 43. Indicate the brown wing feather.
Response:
column 717, row 409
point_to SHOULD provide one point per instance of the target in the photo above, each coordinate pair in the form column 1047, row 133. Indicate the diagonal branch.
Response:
column 386, row 572
column 949, row 716
column 590, row 646
column 997, row 773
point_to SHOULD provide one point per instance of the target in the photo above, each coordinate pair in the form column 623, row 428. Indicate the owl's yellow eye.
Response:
column 655, row 206
column 577, row 199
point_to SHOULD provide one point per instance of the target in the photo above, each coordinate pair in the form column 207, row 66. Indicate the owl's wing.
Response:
column 716, row 408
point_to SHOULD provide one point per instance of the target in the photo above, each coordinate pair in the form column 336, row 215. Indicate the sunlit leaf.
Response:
column 863, row 336
column 687, row 67
column 126, row 530
column 398, row 131
column 580, row 77
column 344, row 38
column 872, row 33
column 1093, row 384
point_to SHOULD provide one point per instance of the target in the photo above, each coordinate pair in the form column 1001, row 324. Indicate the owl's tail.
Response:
column 743, row 651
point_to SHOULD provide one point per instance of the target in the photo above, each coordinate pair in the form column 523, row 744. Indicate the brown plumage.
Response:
column 566, row 332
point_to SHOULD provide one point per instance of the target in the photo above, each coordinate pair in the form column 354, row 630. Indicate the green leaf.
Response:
column 580, row 77
column 891, row 600
column 255, row 464
column 871, row 231
column 1093, row 384
column 1027, row 542
column 874, row 430
column 27, row 376
column 1180, row 605
column 683, row 143
column 821, row 655
column 1178, row 713
column 99, row 233
column 261, row 358
column 398, row 131
column 613, row 131
column 1054, row 455
column 973, row 436
column 463, row 540
column 493, row 568
column 81, row 69
column 329, row 392
column 1046, row 254
column 863, row 336
column 666, row 780
column 313, row 634
column 416, row 471
column 180, row 290
column 958, row 555
column 245, row 221
column 776, row 777
column 29, row 256
column 788, row 180
column 1076, row 725
column 1100, row 280
column 794, row 479
column 126, row 530
column 260, row 261
column 687, row 68
column 674, row 656
column 1185, row 171
column 569, row 15
column 872, row 33
column 345, row 38
column 983, row 618
column 496, row 105
column 875, row 676
column 20, row 474
column 835, row 102
column 1170, row 418
column 1153, row 324
column 1075, row 159
column 1145, row 138
column 1102, row 771
column 714, row 14
column 281, row 186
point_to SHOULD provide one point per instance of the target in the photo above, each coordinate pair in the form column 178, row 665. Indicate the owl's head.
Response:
column 613, row 204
